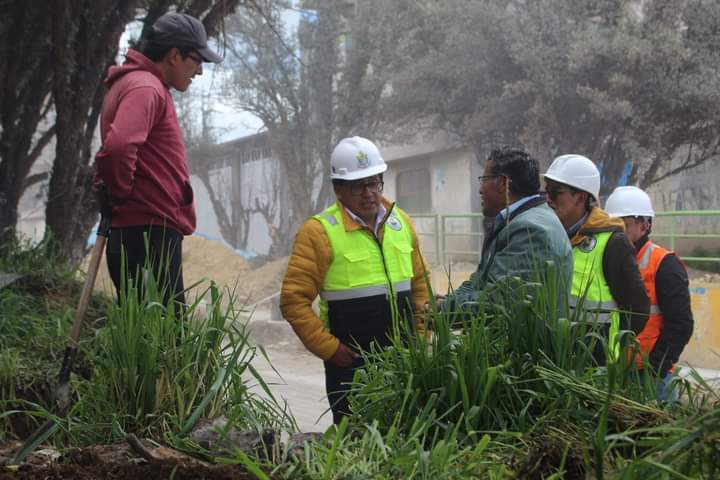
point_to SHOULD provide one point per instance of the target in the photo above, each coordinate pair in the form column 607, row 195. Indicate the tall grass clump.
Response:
column 517, row 359
column 36, row 313
column 161, row 367
column 420, row 453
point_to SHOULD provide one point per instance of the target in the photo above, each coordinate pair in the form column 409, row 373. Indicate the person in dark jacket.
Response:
column 606, row 279
column 142, row 160
column 670, row 325
column 523, row 232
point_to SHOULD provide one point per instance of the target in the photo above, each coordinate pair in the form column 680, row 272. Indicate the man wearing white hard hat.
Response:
column 670, row 325
column 606, row 279
column 357, row 254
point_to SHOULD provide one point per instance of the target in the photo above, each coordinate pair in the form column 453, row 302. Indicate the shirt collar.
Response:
column 382, row 211
column 514, row 206
column 576, row 227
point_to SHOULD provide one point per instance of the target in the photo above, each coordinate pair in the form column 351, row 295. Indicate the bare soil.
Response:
column 132, row 471
column 117, row 462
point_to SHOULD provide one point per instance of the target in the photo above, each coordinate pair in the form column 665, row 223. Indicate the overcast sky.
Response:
column 229, row 122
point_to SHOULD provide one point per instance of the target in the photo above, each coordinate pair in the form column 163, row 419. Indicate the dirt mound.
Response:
column 702, row 276
column 117, row 462
column 205, row 260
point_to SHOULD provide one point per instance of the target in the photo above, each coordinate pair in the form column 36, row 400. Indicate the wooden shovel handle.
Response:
column 87, row 290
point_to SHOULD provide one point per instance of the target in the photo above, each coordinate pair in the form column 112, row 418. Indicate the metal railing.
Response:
column 670, row 233
column 673, row 234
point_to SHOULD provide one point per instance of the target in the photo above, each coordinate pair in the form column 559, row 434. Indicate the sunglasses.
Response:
column 553, row 193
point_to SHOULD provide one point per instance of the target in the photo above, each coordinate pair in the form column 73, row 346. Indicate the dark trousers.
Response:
column 337, row 383
column 159, row 247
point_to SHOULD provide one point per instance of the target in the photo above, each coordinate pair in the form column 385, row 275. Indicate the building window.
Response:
column 413, row 191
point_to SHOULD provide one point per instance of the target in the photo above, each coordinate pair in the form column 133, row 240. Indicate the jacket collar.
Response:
column 598, row 221
column 532, row 203
column 350, row 224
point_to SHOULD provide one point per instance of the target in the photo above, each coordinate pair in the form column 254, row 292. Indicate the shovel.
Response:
column 62, row 391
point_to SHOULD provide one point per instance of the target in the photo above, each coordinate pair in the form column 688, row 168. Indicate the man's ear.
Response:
column 173, row 56
column 581, row 198
column 646, row 227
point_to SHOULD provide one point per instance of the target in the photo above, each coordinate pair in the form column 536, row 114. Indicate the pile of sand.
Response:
column 205, row 260
column 702, row 276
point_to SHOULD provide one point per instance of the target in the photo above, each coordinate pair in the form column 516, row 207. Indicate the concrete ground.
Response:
column 294, row 375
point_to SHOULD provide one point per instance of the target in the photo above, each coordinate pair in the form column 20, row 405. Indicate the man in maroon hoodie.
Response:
column 142, row 160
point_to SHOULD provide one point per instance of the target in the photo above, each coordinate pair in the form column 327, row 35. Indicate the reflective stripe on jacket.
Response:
column 590, row 291
column 363, row 275
column 649, row 258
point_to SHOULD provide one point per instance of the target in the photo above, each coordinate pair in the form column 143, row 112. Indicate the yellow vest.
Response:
column 363, row 267
column 590, row 291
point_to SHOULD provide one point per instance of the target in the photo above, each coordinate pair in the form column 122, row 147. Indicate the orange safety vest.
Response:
column 649, row 258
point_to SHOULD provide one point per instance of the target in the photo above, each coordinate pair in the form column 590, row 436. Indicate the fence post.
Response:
column 442, row 240
column 437, row 239
column 672, row 233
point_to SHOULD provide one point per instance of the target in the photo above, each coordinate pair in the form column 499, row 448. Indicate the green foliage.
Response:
column 485, row 375
column 619, row 81
column 415, row 454
column 516, row 366
column 159, row 369
column 36, row 313
column 145, row 367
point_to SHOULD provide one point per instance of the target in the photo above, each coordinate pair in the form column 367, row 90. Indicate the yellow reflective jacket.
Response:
column 305, row 278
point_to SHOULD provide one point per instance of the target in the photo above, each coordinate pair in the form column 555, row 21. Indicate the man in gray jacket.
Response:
column 523, row 233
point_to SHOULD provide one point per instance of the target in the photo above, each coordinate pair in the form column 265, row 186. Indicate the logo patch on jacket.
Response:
column 588, row 244
column 394, row 223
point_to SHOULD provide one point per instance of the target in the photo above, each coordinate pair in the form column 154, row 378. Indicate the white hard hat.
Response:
column 577, row 171
column 354, row 158
column 629, row 202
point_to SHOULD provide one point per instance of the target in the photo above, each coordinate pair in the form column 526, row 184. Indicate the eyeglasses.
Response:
column 635, row 219
column 482, row 178
column 357, row 188
column 198, row 60
column 553, row 193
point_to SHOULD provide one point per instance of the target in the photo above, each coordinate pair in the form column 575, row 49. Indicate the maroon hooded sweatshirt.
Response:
column 142, row 159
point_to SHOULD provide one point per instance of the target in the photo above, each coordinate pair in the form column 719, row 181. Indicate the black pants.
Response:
column 159, row 247
column 337, row 383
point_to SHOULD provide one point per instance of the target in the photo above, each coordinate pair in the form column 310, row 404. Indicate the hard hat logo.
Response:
column 355, row 158
column 362, row 159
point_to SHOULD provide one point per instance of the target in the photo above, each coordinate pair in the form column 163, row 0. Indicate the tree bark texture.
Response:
column 24, row 95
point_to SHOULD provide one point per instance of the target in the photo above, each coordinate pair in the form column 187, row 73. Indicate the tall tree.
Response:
column 86, row 35
column 85, row 38
column 25, row 85
column 52, row 63
column 313, row 86
column 633, row 85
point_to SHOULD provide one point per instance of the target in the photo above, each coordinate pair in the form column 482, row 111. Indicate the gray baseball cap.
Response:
column 182, row 30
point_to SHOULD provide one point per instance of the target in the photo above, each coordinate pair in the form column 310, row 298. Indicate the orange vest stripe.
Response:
column 649, row 259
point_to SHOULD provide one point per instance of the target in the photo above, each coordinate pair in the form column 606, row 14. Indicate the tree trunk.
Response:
column 24, row 97
column 86, row 35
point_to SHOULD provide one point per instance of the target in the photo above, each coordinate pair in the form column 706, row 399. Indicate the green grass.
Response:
column 143, row 367
column 507, row 390
column 36, row 313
